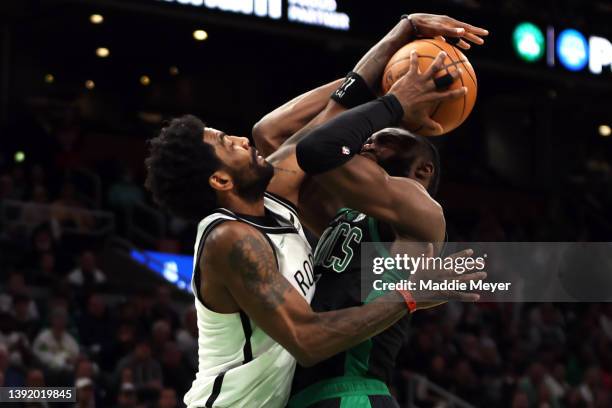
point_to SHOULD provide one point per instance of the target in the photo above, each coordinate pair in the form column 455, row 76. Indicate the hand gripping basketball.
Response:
column 416, row 91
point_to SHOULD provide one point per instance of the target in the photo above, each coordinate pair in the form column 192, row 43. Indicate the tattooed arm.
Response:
column 244, row 263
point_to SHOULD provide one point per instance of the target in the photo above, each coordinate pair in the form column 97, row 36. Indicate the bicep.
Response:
column 366, row 187
column 254, row 281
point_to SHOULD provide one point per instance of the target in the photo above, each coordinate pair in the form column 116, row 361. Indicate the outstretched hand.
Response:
column 432, row 25
column 416, row 91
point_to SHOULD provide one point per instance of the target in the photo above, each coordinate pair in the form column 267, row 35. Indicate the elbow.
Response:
column 306, row 358
column 304, row 348
column 263, row 137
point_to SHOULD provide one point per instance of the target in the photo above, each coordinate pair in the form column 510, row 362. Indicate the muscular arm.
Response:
column 289, row 176
column 328, row 153
column 400, row 201
column 281, row 126
column 277, row 126
column 245, row 264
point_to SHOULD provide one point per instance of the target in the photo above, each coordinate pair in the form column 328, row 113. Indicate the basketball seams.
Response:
column 469, row 74
column 388, row 68
column 458, row 61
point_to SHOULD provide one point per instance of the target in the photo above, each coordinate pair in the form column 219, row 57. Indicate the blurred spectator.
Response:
column 22, row 313
column 85, row 393
column 591, row 384
column 94, row 325
column 176, row 372
column 16, row 286
column 87, row 276
column 163, row 307
column 85, row 368
column 46, row 274
column 167, row 399
column 67, row 210
column 146, row 371
column 520, row 400
column 161, row 335
column 35, row 212
column 127, row 396
column 45, row 240
column 120, row 347
column 187, row 337
column 35, row 378
column 11, row 373
column 56, row 348
column 556, row 383
column 124, row 193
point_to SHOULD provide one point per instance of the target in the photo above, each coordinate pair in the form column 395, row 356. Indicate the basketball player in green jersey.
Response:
column 357, row 377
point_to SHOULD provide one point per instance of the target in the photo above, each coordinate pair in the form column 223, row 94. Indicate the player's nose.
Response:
column 243, row 141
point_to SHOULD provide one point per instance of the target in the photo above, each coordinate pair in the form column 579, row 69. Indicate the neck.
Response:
column 242, row 206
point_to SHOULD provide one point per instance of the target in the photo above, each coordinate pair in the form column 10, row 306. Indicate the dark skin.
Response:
column 239, row 269
column 386, row 198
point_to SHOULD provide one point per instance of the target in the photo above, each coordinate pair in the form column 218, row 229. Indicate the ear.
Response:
column 425, row 170
column 221, row 180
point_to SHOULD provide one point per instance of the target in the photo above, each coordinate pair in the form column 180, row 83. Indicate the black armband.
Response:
column 337, row 141
column 353, row 91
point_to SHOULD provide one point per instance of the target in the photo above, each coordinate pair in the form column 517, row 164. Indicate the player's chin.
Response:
column 261, row 161
column 369, row 156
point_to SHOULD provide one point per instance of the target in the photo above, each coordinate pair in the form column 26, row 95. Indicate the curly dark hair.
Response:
column 179, row 166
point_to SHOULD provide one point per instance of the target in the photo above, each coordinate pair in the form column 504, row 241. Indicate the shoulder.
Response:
column 227, row 233
column 234, row 240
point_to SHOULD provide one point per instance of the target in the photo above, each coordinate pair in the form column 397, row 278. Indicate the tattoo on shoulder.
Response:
column 250, row 257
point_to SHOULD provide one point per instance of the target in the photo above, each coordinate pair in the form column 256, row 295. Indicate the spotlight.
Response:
column 89, row 84
column 19, row 156
column 102, row 52
column 605, row 131
column 96, row 19
column 145, row 80
column 200, row 35
column 49, row 78
column 174, row 71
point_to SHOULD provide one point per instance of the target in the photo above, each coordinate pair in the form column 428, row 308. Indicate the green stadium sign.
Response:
column 528, row 42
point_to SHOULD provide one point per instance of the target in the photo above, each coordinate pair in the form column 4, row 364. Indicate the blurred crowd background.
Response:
column 532, row 163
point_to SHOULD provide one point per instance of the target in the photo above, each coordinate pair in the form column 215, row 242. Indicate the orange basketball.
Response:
column 451, row 113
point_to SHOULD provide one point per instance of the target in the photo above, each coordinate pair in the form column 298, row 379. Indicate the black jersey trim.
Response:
column 267, row 229
column 216, row 390
column 247, row 350
column 282, row 201
column 197, row 272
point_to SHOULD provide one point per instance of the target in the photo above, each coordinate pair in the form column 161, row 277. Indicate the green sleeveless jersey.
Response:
column 338, row 264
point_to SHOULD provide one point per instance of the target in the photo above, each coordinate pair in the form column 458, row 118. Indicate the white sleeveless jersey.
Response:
column 239, row 364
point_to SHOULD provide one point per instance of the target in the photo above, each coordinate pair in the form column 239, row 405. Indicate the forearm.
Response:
column 333, row 332
column 277, row 126
column 337, row 141
column 372, row 65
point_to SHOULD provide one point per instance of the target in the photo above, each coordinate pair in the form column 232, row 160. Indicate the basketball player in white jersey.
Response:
column 253, row 275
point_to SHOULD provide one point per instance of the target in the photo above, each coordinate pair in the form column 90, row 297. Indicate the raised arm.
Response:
column 277, row 126
column 289, row 177
column 244, row 260
column 330, row 153
column 282, row 123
